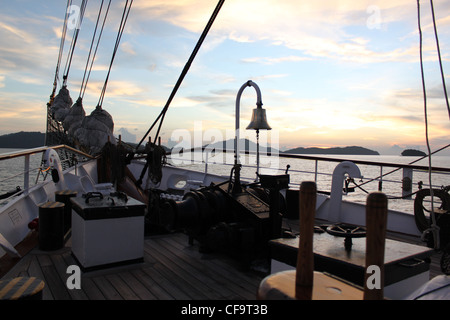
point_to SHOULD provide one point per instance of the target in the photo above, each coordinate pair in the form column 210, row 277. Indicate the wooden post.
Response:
column 376, row 220
column 305, row 257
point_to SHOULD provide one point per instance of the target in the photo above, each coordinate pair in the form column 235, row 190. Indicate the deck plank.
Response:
column 138, row 288
column 172, row 269
column 166, row 283
column 183, row 274
column 198, row 273
column 106, row 288
column 61, row 268
column 121, row 287
column 36, row 271
column 89, row 289
column 53, row 281
column 231, row 274
column 158, row 278
column 148, row 282
column 182, row 287
column 226, row 279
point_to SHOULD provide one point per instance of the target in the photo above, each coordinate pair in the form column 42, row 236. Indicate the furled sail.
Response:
column 74, row 118
column 61, row 104
column 96, row 130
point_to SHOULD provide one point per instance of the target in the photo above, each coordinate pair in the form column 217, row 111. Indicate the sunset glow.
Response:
column 331, row 73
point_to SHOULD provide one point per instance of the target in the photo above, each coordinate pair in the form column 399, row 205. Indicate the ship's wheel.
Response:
column 348, row 232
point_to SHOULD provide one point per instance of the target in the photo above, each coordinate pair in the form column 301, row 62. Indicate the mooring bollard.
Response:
column 51, row 226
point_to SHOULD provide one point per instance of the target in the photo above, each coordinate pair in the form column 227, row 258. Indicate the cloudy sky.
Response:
column 331, row 73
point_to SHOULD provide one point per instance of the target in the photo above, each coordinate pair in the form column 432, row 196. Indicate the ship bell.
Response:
column 259, row 120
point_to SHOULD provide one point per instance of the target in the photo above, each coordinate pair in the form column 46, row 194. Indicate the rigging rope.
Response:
column 74, row 41
column 433, row 228
column 425, row 109
column 439, row 56
column 392, row 171
column 83, row 83
column 61, row 48
column 183, row 74
column 126, row 12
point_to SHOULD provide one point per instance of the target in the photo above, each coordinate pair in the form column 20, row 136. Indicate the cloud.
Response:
column 27, row 110
column 12, row 31
column 189, row 15
column 271, row 60
column 311, row 59
column 127, row 47
column 318, row 29
column 24, row 39
column 126, row 135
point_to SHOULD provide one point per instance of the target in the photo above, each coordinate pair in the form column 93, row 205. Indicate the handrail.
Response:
column 406, row 191
column 26, row 152
column 329, row 159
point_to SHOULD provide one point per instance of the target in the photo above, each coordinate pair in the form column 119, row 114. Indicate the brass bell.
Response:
column 259, row 120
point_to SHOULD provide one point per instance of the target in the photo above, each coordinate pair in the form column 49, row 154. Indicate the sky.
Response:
column 331, row 73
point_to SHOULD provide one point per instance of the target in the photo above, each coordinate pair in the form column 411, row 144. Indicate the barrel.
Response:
column 51, row 226
column 64, row 196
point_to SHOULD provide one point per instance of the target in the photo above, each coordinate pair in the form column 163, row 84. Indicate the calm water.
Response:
column 12, row 170
column 300, row 170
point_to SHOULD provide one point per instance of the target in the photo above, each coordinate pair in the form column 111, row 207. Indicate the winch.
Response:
column 239, row 223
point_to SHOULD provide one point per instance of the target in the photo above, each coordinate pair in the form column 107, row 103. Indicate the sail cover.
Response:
column 61, row 104
column 74, row 118
column 96, row 130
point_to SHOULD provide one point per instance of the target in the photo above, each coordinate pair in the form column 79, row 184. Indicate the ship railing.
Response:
column 32, row 164
column 398, row 180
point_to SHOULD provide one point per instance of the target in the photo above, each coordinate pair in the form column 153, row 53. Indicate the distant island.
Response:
column 336, row 150
column 22, row 140
column 412, row 153
column 244, row 144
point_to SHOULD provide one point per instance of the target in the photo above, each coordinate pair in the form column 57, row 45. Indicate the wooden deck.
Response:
column 172, row 270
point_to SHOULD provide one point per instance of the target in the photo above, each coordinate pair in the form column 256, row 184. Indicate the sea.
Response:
column 12, row 170
column 305, row 170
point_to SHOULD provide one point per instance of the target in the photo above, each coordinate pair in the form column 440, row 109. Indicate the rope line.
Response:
column 394, row 170
column 125, row 13
column 183, row 74
column 61, row 48
column 439, row 57
column 74, row 41
column 83, row 83
column 433, row 228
